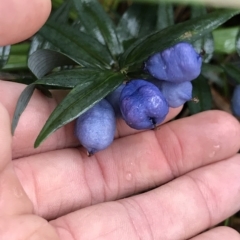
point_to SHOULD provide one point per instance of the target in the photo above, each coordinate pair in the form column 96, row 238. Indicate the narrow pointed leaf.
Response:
column 21, row 104
column 97, row 23
column 62, row 12
column 79, row 100
column 188, row 31
column 233, row 72
column 137, row 21
column 165, row 16
column 201, row 91
column 82, row 48
column 206, row 43
column 40, row 63
column 4, row 55
column 71, row 78
column 60, row 16
column 43, row 61
column 238, row 42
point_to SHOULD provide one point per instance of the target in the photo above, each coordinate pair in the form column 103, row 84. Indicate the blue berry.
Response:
column 176, row 64
column 235, row 103
column 113, row 99
column 176, row 94
column 142, row 104
column 96, row 127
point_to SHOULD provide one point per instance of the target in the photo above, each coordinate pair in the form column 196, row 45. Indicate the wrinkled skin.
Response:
column 176, row 64
column 146, row 185
column 176, row 94
column 142, row 105
column 114, row 97
column 96, row 127
column 235, row 101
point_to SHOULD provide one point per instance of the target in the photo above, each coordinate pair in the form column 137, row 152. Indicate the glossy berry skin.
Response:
column 235, row 102
column 176, row 64
column 96, row 127
column 176, row 94
column 142, row 104
column 113, row 99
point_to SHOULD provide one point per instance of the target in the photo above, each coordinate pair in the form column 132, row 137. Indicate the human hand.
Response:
column 57, row 192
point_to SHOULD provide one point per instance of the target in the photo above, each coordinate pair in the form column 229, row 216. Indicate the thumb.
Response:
column 13, row 199
column 21, row 19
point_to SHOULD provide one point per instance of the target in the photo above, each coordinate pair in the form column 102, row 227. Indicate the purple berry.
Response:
column 113, row 99
column 176, row 64
column 235, row 103
column 142, row 104
column 96, row 127
column 176, row 94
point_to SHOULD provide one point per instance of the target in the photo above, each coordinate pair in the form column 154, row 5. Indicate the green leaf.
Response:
column 213, row 73
column 165, row 16
column 21, row 105
column 71, row 78
column 188, row 31
column 225, row 40
column 19, row 78
column 233, row 72
column 40, row 63
column 97, row 23
column 137, row 21
column 43, row 61
column 4, row 55
column 206, row 43
column 79, row 100
column 82, row 48
column 60, row 16
column 238, row 42
column 62, row 12
column 202, row 92
column 212, row 3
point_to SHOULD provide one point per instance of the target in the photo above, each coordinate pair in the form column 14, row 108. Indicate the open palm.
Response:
column 171, row 183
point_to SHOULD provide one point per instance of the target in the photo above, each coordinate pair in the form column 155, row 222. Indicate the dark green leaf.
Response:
column 201, row 92
column 21, row 104
column 79, row 100
column 60, row 16
column 40, row 63
column 19, row 78
column 213, row 73
column 4, row 55
column 97, row 23
column 84, row 49
column 165, row 16
column 205, row 44
column 137, row 21
column 238, row 43
column 233, row 72
column 188, row 31
column 43, row 61
column 39, row 42
column 62, row 12
column 71, row 78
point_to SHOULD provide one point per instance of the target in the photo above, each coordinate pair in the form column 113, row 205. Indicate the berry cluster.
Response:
column 143, row 104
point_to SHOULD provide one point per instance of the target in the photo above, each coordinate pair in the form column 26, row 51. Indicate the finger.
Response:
column 30, row 227
column 180, row 209
column 35, row 116
column 219, row 233
column 13, row 199
column 21, row 19
column 130, row 165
